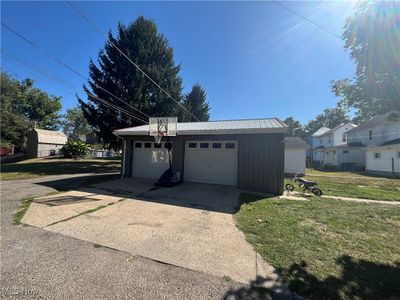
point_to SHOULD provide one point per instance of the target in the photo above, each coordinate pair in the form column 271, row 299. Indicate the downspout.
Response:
column 123, row 155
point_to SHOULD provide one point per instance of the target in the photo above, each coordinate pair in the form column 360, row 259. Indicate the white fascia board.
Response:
column 210, row 132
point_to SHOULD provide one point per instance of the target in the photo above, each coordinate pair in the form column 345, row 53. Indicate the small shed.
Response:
column 295, row 155
column 42, row 143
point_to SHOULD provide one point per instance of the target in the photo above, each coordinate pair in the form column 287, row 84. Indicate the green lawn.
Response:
column 55, row 166
column 355, row 185
column 327, row 249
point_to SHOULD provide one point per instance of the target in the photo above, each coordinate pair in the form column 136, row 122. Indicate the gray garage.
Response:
column 248, row 154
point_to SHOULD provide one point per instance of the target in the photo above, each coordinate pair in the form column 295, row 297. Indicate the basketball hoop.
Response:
column 159, row 127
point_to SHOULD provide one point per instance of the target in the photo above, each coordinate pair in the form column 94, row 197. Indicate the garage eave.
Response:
column 207, row 132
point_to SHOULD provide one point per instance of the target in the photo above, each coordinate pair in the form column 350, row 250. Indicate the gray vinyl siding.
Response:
column 260, row 158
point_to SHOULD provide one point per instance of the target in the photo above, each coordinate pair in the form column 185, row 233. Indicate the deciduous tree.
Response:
column 372, row 36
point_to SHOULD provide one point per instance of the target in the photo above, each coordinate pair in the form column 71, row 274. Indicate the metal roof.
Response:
column 249, row 126
column 295, row 142
column 50, row 136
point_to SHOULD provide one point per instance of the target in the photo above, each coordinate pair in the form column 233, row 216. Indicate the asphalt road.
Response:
column 38, row 264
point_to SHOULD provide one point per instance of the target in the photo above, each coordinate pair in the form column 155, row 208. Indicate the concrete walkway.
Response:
column 299, row 196
column 190, row 226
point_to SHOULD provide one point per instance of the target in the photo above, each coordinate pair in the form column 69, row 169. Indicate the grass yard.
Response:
column 355, row 185
column 327, row 249
column 56, row 166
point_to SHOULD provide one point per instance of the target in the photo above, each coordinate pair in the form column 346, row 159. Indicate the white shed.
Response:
column 295, row 155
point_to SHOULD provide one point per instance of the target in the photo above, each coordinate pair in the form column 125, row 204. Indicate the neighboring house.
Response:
column 316, row 143
column 247, row 154
column 380, row 136
column 42, row 143
column 332, row 148
column 295, row 155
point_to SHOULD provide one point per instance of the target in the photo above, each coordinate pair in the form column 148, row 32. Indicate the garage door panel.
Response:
column 211, row 165
column 150, row 162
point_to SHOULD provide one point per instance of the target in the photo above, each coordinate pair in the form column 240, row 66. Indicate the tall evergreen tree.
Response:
column 150, row 50
column 195, row 102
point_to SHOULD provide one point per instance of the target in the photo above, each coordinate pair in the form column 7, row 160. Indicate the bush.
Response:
column 75, row 149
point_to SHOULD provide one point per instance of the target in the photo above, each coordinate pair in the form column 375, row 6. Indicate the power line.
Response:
column 42, row 71
column 127, row 57
column 307, row 19
column 68, row 67
column 104, row 102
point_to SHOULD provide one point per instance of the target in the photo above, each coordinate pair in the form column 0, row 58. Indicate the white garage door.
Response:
column 213, row 162
column 150, row 160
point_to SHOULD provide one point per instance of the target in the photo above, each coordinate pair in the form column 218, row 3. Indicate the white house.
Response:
column 332, row 148
column 316, row 143
column 381, row 136
column 295, row 155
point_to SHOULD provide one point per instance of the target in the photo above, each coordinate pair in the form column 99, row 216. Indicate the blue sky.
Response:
column 255, row 59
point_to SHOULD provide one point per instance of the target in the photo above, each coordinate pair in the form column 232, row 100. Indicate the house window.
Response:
column 344, row 137
column 334, row 152
column 329, row 139
column 192, row 145
column 204, row 145
column 345, row 151
column 398, row 154
column 157, row 145
column 370, row 134
column 168, row 145
column 327, row 152
column 138, row 145
column 147, row 145
column 217, row 145
column 377, row 155
column 230, row 146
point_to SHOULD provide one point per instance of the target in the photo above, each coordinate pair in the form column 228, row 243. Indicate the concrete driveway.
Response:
column 190, row 225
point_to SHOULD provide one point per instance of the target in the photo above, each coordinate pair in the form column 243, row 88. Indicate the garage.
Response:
column 247, row 154
column 214, row 162
column 150, row 159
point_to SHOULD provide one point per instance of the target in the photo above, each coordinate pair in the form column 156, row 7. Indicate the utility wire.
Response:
column 104, row 102
column 127, row 57
column 37, row 69
column 68, row 67
column 307, row 19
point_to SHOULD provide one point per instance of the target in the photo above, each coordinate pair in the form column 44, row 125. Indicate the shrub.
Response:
column 75, row 149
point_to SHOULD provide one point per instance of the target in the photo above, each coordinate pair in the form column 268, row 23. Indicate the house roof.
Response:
column 320, row 131
column 50, row 136
column 337, row 127
column 247, row 126
column 295, row 142
column 378, row 120
column 391, row 142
